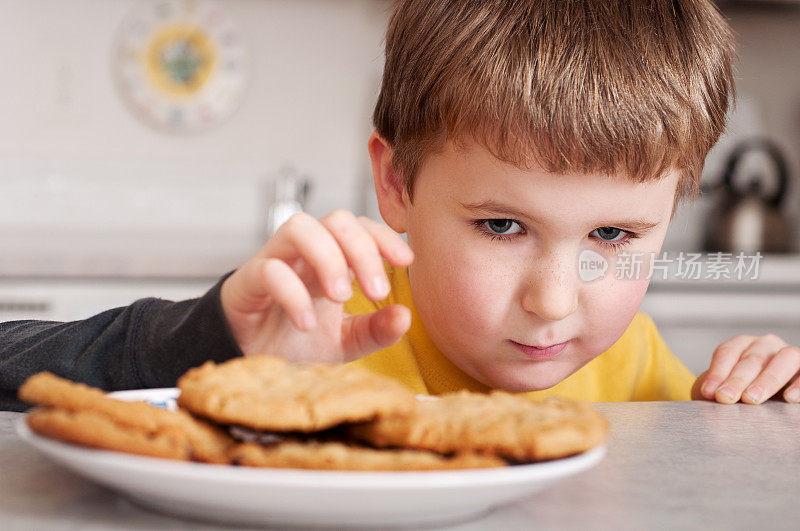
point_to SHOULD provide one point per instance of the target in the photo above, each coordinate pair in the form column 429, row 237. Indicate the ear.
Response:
column 389, row 188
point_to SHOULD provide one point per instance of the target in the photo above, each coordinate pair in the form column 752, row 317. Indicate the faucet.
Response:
column 291, row 191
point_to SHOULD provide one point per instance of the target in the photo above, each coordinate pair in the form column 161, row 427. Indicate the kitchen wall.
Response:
column 78, row 169
column 769, row 50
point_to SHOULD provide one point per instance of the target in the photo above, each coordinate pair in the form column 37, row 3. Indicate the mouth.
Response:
column 541, row 353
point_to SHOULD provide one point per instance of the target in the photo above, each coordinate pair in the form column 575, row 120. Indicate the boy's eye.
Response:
column 500, row 226
column 609, row 234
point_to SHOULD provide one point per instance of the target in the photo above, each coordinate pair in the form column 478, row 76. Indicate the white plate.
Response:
column 303, row 497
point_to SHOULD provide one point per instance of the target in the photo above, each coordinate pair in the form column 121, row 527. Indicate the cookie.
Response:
column 340, row 456
column 81, row 414
column 499, row 423
column 266, row 393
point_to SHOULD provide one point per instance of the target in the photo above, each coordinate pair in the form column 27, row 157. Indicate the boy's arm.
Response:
column 147, row 344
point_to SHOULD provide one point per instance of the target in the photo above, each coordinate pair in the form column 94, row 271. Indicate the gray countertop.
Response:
column 670, row 465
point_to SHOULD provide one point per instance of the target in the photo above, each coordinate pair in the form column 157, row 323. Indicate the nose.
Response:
column 551, row 291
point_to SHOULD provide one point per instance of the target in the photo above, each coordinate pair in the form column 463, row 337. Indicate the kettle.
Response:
column 747, row 219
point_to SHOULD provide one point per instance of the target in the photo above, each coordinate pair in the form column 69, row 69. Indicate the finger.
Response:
column 695, row 391
column 244, row 291
column 303, row 236
column 390, row 244
column 792, row 392
column 364, row 334
column 750, row 365
column 722, row 362
column 289, row 292
column 361, row 252
column 780, row 369
column 268, row 281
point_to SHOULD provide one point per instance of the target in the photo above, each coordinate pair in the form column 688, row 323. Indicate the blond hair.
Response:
column 583, row 86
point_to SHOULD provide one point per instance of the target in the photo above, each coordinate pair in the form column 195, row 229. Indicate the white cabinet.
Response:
column 71, row 299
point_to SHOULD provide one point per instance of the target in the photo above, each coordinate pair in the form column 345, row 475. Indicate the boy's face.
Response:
column 483, row 288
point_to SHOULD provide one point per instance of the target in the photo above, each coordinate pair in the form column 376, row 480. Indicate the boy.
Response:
column 511, row 136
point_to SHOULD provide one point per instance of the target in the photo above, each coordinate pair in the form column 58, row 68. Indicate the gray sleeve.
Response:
column 147, row 344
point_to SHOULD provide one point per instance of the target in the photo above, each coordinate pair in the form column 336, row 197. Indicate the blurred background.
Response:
column 148, row 147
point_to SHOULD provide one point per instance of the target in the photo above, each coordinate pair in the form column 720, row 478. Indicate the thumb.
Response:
column 365, row 334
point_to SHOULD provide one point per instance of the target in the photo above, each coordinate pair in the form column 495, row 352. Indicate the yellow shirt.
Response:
column 639, row 366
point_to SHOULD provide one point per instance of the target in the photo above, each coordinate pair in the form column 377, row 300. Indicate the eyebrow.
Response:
column 634, row 224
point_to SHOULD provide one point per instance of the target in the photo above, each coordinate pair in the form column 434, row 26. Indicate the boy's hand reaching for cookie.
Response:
column 287, row 300
column 751, row 368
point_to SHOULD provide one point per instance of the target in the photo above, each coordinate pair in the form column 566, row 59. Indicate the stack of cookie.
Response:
column 83, row 415
column 266, row 412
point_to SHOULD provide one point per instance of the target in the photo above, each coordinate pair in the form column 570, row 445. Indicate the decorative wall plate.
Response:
column 181, row 65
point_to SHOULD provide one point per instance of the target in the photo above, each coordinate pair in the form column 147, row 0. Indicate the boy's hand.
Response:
column 752, row 368
column 287, row 300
